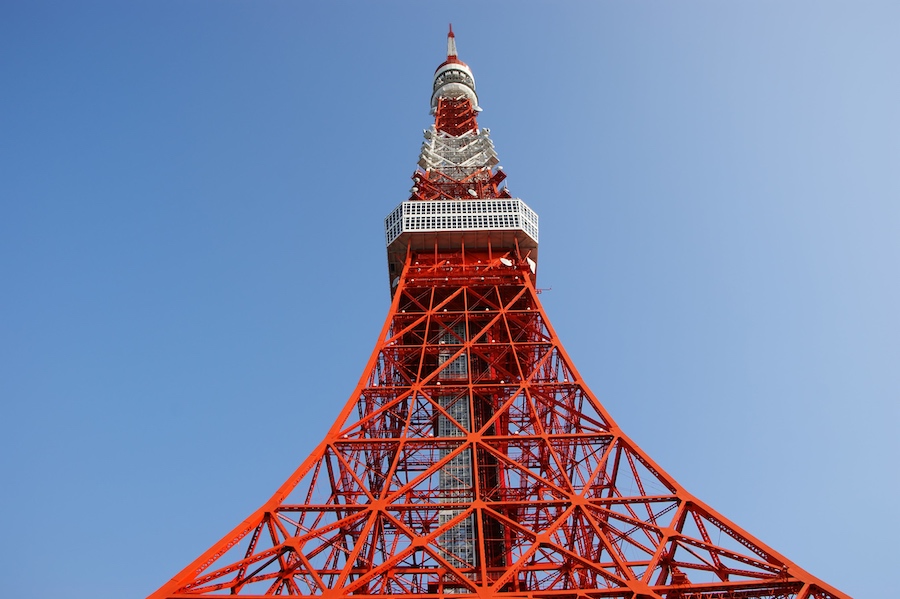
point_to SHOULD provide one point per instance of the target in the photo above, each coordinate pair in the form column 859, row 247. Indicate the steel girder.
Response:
column 555, row 501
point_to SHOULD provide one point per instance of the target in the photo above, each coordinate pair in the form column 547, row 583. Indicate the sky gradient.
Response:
column 193, row 269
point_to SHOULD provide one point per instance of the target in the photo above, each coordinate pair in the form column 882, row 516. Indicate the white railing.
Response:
column 461, row 215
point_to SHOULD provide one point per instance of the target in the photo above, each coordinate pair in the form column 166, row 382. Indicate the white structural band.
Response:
column 461, row 215
column 457, row 156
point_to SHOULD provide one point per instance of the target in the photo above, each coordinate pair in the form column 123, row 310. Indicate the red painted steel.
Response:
column 550, row 499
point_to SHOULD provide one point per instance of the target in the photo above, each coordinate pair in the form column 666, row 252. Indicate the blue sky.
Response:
column 193, row 265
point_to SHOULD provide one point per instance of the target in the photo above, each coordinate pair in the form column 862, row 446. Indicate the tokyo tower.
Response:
column 471, row 459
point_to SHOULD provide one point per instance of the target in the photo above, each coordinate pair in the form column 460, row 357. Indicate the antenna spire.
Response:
column 451, row 44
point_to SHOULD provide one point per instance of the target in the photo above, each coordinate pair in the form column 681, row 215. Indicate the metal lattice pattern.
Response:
column 457, row 156
column 473, row 459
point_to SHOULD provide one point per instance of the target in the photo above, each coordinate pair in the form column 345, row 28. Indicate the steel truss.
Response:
column 471, row 459
column 557, row 502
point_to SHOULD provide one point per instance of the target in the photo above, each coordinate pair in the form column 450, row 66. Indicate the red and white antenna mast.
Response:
column 458, row 164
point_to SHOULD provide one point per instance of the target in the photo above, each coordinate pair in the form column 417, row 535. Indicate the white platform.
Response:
column 461, row 215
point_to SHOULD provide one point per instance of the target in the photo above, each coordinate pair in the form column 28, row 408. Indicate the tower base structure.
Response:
column 472, row 460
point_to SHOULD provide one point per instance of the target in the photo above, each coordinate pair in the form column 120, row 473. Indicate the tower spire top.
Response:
column 451, row 44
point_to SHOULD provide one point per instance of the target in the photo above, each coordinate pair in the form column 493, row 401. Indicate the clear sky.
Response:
column 193, row 265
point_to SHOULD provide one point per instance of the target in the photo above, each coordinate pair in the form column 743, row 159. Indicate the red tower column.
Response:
column 472, row 459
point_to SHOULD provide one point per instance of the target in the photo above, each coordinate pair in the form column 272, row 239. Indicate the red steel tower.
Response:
column 472, row 459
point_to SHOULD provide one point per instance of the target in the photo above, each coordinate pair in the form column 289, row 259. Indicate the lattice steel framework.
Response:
column 472, row 459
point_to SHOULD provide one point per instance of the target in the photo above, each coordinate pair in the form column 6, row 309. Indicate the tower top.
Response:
column 451, row 44
column 453, row 78
column 458, row 200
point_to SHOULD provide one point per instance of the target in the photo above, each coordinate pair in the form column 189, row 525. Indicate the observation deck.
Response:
column 476, row 224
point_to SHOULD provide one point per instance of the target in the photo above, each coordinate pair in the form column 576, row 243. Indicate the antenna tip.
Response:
column 451, row 44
